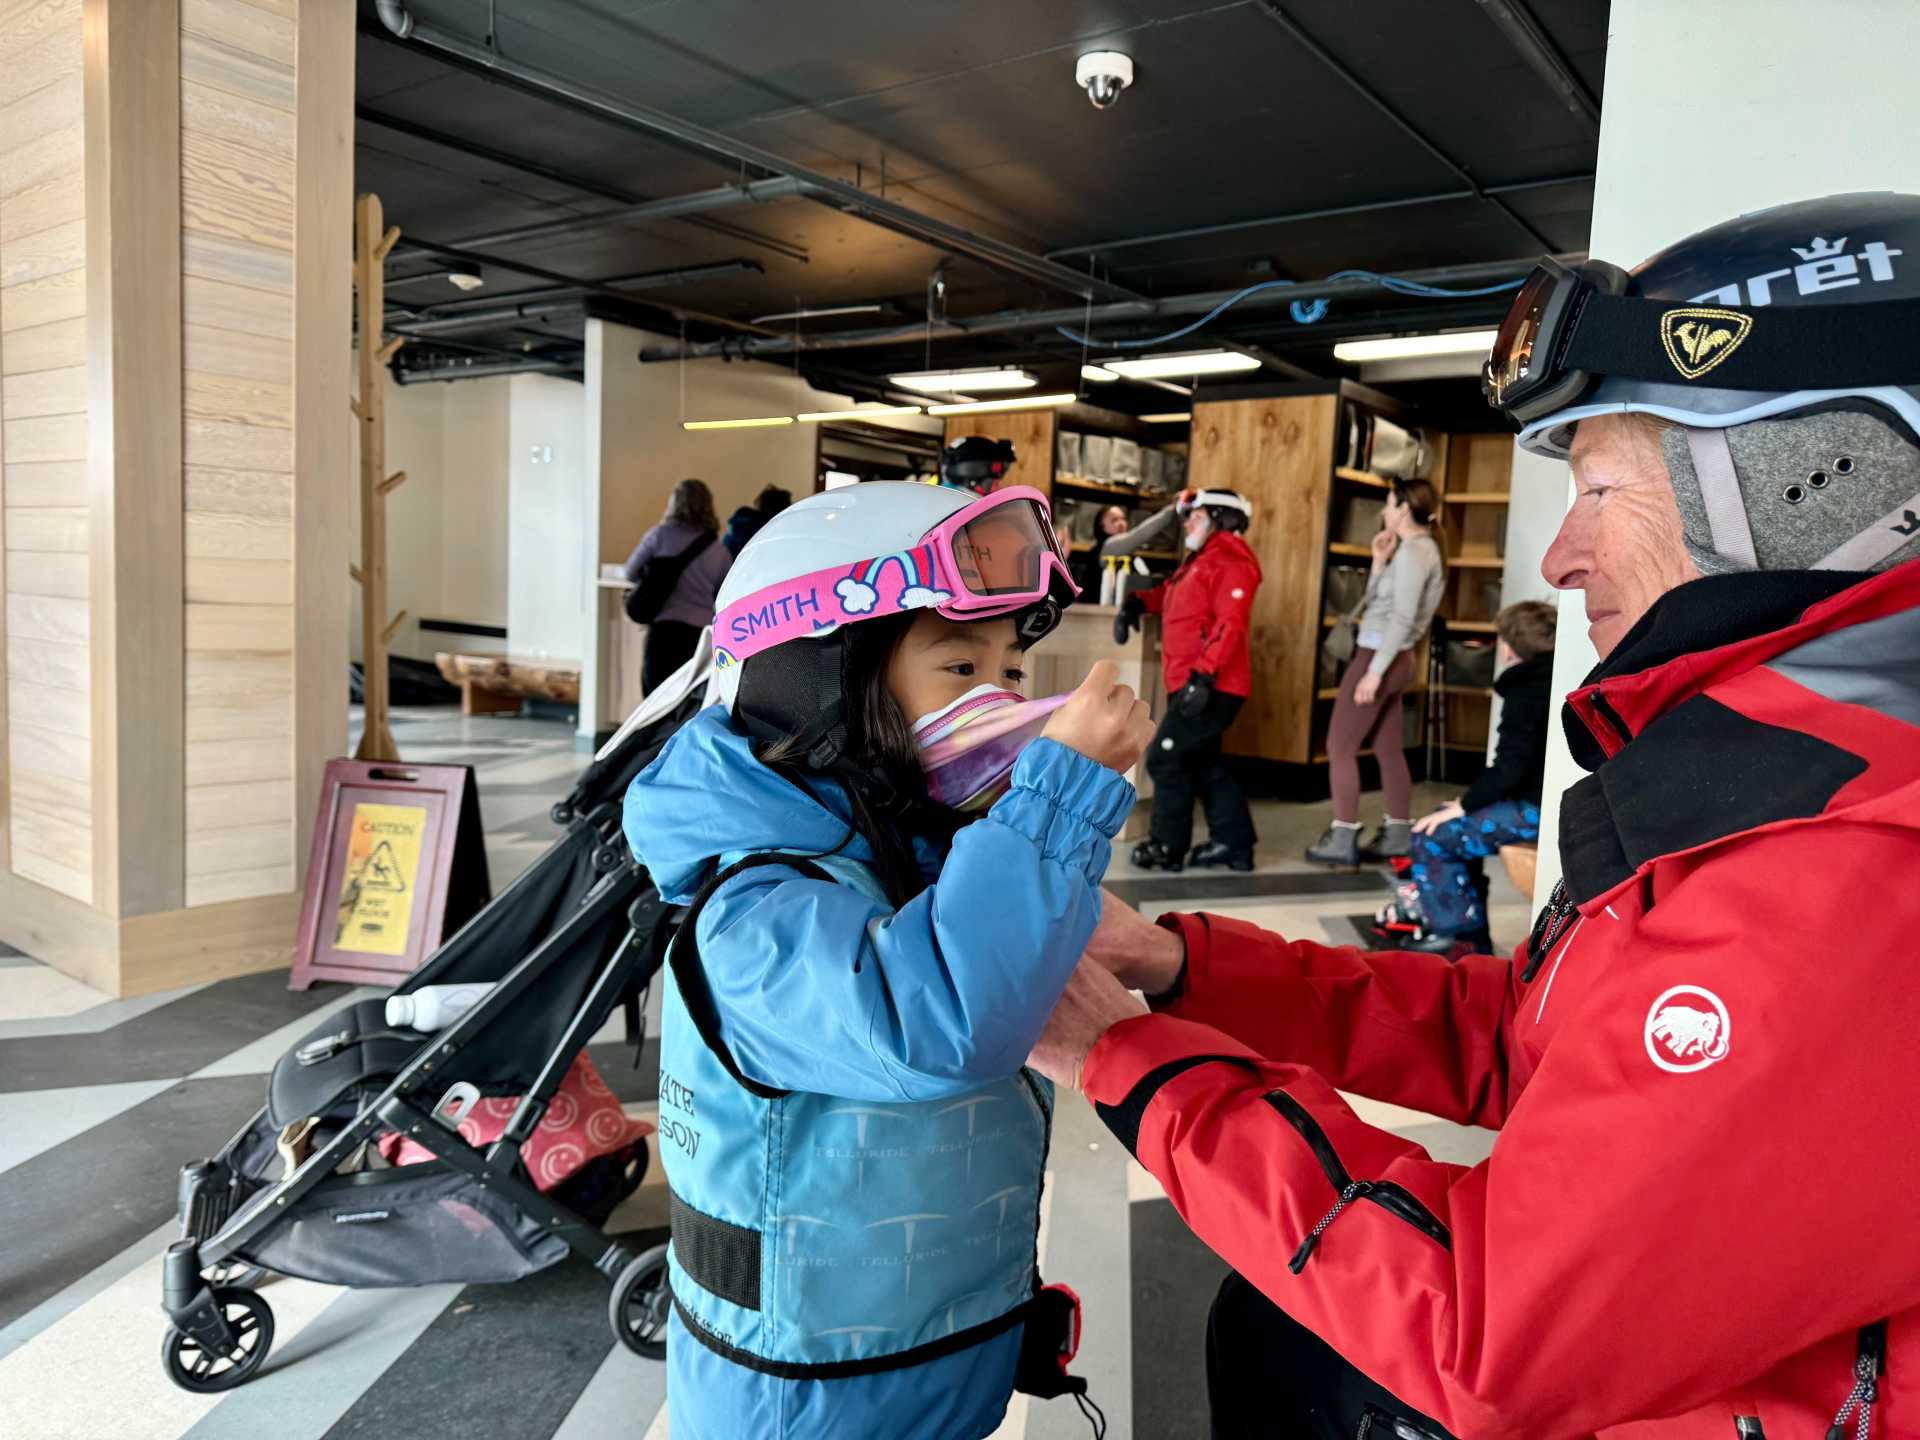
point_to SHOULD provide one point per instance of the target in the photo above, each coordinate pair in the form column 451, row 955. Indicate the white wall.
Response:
column 447, row 525
column 637, row 450
column 549, row 507
column 1715, row 107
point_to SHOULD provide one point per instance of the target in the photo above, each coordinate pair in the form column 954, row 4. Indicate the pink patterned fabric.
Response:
column 583, row 1123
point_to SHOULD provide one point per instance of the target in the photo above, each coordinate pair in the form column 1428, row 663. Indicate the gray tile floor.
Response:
column 101, row 1101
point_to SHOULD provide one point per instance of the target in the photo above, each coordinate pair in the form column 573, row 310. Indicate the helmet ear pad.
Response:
column 1226, row 518
column 798, row 691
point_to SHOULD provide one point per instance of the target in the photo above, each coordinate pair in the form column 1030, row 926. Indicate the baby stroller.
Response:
column 581, row 932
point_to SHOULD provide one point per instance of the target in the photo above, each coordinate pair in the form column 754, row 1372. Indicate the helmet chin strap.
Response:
column 1720, row 492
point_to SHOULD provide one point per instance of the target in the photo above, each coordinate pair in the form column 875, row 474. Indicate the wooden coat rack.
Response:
column 372, row 243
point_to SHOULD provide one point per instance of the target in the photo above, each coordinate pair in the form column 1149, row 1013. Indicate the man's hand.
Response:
column 1447, row 813
column 1368, row 690
column 1092, row 1004
column 1140, row 955
column 1104, row 721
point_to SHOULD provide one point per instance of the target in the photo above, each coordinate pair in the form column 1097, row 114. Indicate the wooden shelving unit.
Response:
column 1479, row 477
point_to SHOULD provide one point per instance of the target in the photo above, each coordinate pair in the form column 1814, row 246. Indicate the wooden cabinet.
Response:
column 1278, row 452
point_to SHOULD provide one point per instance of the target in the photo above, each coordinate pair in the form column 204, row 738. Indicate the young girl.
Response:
column 853, row 1148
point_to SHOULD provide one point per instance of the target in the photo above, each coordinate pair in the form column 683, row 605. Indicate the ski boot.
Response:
column 1212, row 853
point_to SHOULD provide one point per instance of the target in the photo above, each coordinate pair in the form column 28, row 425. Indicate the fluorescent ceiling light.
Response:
column 1191, row 362
column 1168, row 417
column 818, row 314
column 1099, row 374
column 1413, row 347
column 1019, row 402
column 763, row 420
column 954, row 382
column 858, row 413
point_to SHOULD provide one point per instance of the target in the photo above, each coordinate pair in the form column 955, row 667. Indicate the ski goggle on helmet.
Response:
column 893, row 547
column 1803, row 306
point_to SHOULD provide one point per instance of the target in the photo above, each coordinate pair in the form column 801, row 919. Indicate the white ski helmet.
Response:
column 863, row 552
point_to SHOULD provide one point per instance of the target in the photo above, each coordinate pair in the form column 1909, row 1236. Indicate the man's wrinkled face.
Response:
column 1621, row 542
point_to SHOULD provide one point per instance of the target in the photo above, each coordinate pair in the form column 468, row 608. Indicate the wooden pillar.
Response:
column 174, row 187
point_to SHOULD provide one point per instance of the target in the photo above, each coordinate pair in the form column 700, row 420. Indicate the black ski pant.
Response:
column 1185, row 756
column 1271, row 1378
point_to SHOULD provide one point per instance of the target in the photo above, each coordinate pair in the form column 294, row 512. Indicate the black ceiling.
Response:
column 969, row 113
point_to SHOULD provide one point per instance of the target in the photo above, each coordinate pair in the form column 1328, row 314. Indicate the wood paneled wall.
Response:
column 238, row 95
column 160, row 371
column 1279, row 454
column 46, row 777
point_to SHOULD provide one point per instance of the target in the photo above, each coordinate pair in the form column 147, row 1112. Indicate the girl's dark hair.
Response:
column 692, row 504
column 879, row 768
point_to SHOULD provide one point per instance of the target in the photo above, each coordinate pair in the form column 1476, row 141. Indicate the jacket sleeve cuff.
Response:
column 1132, row 1061
column 1068, row 806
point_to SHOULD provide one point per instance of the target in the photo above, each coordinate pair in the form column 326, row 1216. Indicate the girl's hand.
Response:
column 1384, row 544
column 1104, row 721
column 1368, row 690
column 1445, row 815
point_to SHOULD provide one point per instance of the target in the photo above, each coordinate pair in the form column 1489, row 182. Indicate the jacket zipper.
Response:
column 1870, row 1363
column 1747, row 1427
column 1549, row 929
column 1394, row 1199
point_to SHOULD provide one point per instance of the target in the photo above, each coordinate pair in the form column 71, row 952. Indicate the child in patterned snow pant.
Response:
column 1447, row 866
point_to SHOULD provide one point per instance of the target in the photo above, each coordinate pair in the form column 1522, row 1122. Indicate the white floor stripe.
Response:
column 658, row 1429
column 97, row 1372
column 623, row 1391
column 55, row 1308
column 104, row 1014
column 33, row 1121
column 316, row 1377
column 1014, row 1427
column 258, row 1057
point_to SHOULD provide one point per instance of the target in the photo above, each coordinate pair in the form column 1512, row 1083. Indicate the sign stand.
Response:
column 399, row 862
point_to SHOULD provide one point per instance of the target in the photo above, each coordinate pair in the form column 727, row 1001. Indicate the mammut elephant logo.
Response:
column 1688, row 1029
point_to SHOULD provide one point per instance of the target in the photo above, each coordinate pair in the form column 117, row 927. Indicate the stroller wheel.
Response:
column 640, row 1304
column 192, row 1366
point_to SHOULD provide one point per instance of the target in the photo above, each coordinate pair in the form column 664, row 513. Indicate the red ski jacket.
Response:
column 1701, row 1206
column 1204, row 608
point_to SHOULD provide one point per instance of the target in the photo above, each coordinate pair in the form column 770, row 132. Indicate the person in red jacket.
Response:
column 1204, row 609
column 1696, row 1222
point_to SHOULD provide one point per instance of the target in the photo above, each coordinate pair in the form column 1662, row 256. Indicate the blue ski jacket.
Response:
column 823, row 990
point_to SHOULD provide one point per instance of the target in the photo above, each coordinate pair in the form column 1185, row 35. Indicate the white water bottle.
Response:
column 433, row 1007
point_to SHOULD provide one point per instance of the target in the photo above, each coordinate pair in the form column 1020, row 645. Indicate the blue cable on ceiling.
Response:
column 1304, row 312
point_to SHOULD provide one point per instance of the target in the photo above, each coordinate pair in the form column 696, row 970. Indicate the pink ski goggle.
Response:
column 996, row 556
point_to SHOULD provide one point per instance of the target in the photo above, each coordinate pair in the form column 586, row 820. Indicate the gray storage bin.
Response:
column 1097, row 456
column 1068, row 457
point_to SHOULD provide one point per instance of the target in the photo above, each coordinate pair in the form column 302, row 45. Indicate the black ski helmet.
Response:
column 1793, row 444
column 976, row 463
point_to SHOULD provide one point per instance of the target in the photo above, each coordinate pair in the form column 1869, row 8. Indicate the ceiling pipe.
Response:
column 1124, row 312
column 482, row 369
column 758, row 192
column 1198, row 232
column 618, row 284
column 1536, row 47
column 497, row 315
column 1274, row 12
column 837, row 194
column 463, row 146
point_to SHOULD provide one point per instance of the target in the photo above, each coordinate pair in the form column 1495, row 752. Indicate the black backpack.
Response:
column 657, row 579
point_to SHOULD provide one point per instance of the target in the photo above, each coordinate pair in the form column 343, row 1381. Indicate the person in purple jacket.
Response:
column 675, row 633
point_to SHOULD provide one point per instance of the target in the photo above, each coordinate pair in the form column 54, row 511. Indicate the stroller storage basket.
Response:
column 421, row 1224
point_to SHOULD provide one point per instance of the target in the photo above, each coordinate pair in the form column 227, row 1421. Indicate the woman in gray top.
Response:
column 674, row 633
column 1403, row 591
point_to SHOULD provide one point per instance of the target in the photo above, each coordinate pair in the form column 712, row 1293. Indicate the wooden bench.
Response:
column 498, row 684
column 1523, row 863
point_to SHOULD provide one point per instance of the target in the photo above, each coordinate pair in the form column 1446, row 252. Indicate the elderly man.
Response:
column 1697, row 1219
